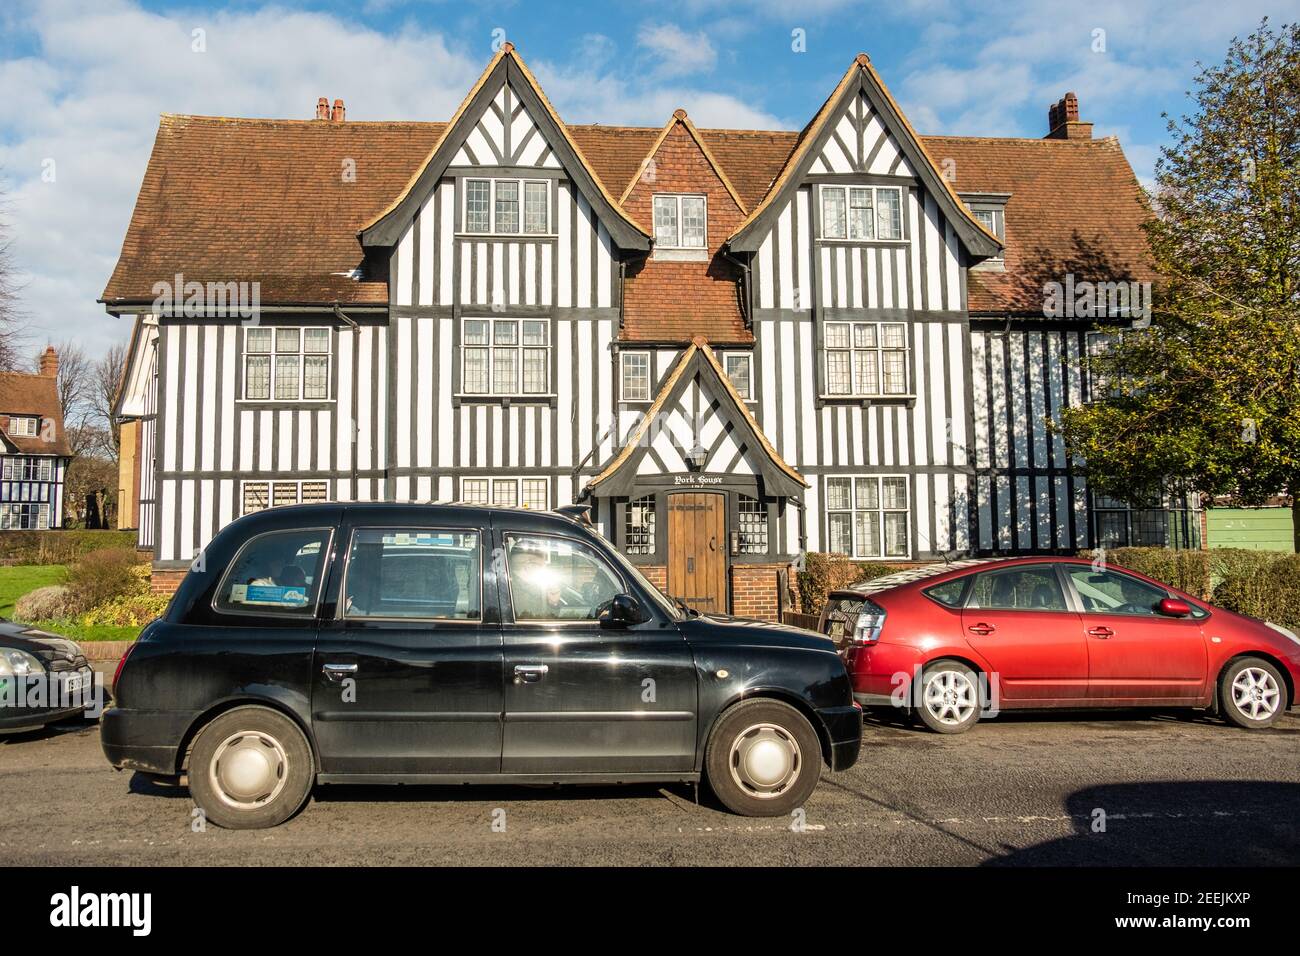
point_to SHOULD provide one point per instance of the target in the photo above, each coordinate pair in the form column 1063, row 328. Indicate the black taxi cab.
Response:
column 402, row 643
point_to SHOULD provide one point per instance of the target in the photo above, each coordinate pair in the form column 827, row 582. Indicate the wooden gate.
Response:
column 697, row 550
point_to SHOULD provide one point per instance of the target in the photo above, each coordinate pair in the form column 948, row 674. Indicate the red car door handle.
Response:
column 981, row 628
column 1102, row 632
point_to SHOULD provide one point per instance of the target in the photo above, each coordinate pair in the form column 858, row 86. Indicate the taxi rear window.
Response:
column 276, row 573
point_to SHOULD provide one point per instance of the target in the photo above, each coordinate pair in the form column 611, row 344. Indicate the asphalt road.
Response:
column 1016, row 790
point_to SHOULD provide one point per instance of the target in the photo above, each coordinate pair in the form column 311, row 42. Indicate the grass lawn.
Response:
column 97, row 632
column 20, row 579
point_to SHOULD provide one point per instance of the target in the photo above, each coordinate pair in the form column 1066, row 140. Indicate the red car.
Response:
column 952, row 642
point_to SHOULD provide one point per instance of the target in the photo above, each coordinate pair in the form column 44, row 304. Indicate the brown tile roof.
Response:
column 1075, row 207
column 267, row 201
column 235, row 199
column 22, row 394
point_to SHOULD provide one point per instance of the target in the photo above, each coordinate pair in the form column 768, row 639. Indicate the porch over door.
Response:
column 697, row 552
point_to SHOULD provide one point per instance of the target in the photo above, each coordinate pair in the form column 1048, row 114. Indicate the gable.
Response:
column 696, row 404
column 698, row 415
column 483, row 120
column 653, row 308
column 861, row 142
column 837, row 123
column 506, row 134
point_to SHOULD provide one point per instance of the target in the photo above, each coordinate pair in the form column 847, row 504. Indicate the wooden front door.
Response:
column 697, row 550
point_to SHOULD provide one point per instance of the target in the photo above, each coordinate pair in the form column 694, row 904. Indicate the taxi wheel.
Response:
column 250, row 768
column 763, row 759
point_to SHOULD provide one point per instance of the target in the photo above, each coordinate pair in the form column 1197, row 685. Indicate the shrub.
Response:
column 1269, row 591
column 54, row 601
column 1188, row 571
column 58, row 547
column 102, row 575
column 134, row 610
column 824, row 573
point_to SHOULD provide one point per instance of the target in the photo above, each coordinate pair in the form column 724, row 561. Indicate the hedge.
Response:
column 824, row 573
column 58, row 547
column 1261, row 584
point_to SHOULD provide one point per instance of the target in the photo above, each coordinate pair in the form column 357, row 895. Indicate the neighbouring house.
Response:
column 34, row 449
column 735, row 345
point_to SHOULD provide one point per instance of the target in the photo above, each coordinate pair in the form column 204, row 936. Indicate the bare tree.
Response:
column 107, row 378
column 76, row 384
column 11, row 319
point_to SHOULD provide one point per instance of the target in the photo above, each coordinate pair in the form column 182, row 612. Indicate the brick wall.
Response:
column 165, row 581
column 755, row 590
column 656, row 307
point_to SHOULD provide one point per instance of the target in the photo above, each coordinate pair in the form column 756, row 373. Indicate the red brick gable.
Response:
column 669, row 301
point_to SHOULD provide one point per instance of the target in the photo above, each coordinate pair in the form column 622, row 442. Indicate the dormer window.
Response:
column 989, row 209
column 862, row 213
column 24, row 426
column 681, row 224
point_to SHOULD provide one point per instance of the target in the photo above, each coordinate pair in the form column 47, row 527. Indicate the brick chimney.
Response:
column 323, row 108
column 1063, row 120
column 338, row 113
column 50, row 362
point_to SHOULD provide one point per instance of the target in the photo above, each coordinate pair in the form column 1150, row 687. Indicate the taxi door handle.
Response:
column 530, row 673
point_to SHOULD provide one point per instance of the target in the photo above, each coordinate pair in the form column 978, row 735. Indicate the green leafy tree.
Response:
column 1208, row 394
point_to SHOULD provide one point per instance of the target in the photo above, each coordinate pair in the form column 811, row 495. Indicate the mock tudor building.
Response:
column 34, row 450
column 737, row 346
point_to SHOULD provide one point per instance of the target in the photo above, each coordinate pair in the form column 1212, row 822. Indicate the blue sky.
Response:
column 84, row 81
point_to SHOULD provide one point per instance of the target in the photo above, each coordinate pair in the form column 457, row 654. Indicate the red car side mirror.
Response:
column 1172, row 607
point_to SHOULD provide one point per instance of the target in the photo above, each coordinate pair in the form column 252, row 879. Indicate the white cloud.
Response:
column 675, row 52
column 89, row 99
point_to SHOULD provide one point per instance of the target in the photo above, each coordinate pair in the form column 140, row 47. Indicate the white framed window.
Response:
column 865, row 359
column 739, row 367
column 27, row 469
column 25, row 516
column 287, row 363
column 681, row 222
column 259, row 495
column 635, row 376
column 862, row 212
column 505, row 356
column 531, row 493
column 752, row 514
column 868, row 516
column 508, row 207
column 24, row 426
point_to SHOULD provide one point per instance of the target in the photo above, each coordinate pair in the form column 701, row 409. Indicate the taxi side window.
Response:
column 557, row 579
column 276, row 573
column 415, row 573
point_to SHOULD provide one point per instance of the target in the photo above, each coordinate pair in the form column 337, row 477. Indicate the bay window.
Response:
column 507, row 206
column 505, row 357
column 862, row 212
column 531, row 493
column 868, row 516
column 865, row 359
column 287, row 364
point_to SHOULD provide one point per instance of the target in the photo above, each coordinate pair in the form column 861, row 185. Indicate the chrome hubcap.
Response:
column 950, row 697
column 249, row 769
column 764, row 760
column 1255, row 693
